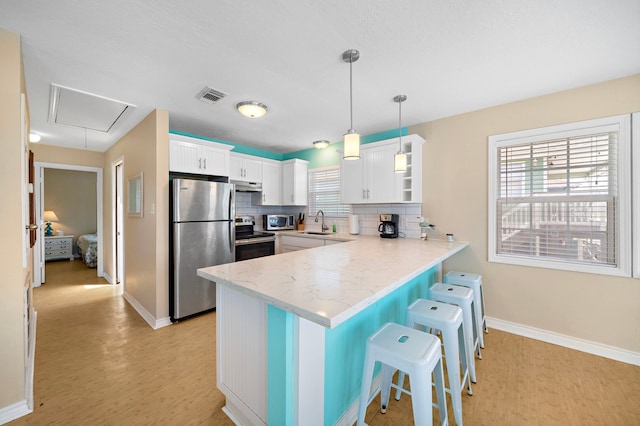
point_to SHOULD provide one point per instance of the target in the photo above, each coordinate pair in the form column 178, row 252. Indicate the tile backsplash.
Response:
column 368, row 215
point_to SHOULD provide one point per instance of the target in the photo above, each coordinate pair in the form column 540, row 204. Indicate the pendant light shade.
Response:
column 351, row 138
column 400, row 159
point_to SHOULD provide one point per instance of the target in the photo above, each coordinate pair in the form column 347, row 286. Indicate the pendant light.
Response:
column 351, row 138
column 400, row 159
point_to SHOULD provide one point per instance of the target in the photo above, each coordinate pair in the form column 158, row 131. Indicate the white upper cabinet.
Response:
column 294, row 182
column 271, row 194
column 197, row 156
column 246, row 168
column 371, row 179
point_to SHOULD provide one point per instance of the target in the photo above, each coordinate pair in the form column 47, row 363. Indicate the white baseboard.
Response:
column 146, row 315
column 14, row 411
column 107, row 277
column 595, row 348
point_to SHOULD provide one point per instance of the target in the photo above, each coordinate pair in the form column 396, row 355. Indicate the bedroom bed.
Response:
column 88, row 247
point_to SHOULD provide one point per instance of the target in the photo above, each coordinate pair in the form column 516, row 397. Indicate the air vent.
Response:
column 210, row 96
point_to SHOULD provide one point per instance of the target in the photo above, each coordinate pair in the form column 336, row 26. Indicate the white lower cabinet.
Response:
column 292, row 243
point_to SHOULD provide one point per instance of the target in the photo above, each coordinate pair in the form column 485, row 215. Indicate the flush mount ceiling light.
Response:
column 351, row 138
column 34, row 137
column 400, row 159
column 320, row 144
column 252, row 109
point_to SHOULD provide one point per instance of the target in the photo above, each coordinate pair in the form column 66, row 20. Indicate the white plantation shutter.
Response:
column 556, row 195
column 324, row 192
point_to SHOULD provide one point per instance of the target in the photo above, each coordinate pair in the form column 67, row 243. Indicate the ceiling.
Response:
column 448, row 57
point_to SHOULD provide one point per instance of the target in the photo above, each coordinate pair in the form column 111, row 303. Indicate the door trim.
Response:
column 39, row 168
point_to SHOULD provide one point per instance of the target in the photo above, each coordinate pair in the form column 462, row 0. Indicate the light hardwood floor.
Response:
column 99, row 363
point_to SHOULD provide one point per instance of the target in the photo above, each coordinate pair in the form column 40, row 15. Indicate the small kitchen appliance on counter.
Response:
column 278, row 222
column 251, row 244
column 388, row 227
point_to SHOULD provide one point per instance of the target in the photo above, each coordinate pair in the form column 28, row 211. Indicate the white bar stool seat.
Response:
column 462, row 297
column 474, row 282
column 447, row 318
column 414, row 352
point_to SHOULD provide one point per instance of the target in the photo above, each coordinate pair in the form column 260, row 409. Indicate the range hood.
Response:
column 242, row 186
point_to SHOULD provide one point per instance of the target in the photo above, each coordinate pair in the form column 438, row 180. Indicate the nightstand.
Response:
column 58, row 247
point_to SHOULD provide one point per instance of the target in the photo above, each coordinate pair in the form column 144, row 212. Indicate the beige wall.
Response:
column 14, row 276
column 597, row 308
column 146, row 149
column 71, row 194
column 74, row 157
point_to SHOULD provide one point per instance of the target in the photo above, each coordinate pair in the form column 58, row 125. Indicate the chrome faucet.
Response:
column 324, row 227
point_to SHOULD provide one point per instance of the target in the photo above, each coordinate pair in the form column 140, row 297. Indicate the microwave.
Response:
column 277, row 222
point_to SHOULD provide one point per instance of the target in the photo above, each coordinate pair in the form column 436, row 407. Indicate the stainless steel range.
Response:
column 251, row 244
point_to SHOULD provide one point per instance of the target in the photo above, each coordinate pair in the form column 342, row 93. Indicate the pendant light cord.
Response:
column 400, row 125
column 351, row 90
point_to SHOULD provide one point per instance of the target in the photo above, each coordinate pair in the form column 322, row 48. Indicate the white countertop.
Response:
column 330, row 284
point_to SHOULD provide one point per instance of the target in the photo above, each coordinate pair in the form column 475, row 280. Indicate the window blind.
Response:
column 556, row 199
column 324, row 192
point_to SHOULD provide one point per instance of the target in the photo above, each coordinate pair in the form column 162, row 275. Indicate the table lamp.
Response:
column 49, row 216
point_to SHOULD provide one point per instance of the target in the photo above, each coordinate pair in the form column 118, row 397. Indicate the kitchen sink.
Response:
column 315, row 233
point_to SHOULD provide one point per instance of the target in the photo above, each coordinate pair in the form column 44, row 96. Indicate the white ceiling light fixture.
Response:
column 320, row 144
column 252, row 109
column 351, row 138
column 34, row 137
column 400, row 159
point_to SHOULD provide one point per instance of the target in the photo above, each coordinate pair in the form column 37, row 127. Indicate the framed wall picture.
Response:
column 135, row 191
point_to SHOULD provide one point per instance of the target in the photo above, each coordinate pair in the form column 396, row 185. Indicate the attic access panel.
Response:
column 76, row 108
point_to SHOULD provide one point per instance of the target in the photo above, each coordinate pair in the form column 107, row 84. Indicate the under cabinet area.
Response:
column 197, row 156
column 372, row 179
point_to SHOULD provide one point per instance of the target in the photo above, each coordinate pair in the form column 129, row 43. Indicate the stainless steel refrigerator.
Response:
column 202, row 234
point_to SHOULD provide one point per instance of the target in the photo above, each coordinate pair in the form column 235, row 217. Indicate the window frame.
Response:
column 623, row 213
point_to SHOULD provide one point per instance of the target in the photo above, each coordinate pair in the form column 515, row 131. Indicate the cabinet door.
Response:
column 294, row 184
column 235, row 168
column 271, row 186
column 382, row 183
column 352, row 189
column 214, row 161
column 245, row 169
column 184, row 157
column 253, row 170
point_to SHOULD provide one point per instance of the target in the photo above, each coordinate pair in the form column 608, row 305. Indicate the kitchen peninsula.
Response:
column 291, row 329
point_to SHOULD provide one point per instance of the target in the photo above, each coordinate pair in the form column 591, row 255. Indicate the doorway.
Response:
column 118, row 216
column 39, row 257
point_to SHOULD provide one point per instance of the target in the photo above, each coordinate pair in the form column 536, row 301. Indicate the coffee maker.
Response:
column 388, row 227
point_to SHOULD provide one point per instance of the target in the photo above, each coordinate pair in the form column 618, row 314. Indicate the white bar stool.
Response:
column 418, row 354
column 462, row 297
column 474, row 282
column 448, row 319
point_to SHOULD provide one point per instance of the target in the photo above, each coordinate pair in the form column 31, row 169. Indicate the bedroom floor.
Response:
column 98, row 362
